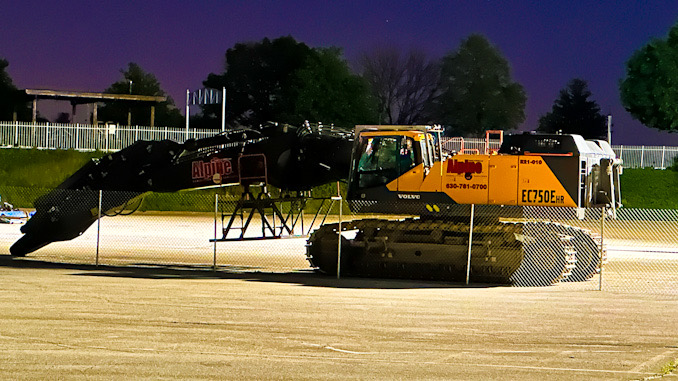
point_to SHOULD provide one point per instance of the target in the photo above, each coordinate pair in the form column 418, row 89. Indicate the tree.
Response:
column 404, row 85
column 574, row 113
column 10, row 99
column 286, row 81
column 477, row 92
column 325, row 90
column 650, row 89
column 257, row 78
column 142, row 83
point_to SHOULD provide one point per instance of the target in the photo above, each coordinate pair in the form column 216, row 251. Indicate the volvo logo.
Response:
column 409, row 196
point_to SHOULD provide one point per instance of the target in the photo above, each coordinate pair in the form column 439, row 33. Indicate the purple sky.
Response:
column 82, row 45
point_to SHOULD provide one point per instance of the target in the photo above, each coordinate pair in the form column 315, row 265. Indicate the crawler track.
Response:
column 517, row 253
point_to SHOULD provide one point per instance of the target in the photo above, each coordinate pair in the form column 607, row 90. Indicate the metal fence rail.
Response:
column 86, row 137
column 659, row 157
column 646, row 156
column 468, row 145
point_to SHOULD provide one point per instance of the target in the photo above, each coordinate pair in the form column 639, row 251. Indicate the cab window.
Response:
column 384, row 158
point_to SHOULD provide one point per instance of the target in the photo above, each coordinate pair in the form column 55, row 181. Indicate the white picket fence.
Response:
column 85, row 137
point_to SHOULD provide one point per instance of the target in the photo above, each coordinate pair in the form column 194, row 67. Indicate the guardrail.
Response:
column 87, row 137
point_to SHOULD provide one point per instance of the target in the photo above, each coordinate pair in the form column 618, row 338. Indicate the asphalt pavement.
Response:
column 65, row 321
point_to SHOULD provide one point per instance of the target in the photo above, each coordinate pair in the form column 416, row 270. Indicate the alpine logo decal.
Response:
column 465, row 166
column 201, row 170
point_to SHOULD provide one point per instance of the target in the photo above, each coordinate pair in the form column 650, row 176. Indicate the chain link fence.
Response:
column 636, row 249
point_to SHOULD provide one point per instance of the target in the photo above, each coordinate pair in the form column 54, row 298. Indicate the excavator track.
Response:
column 525, row 253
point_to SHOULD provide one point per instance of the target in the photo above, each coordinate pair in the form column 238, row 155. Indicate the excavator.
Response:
column 392, row 170
column 404, row 170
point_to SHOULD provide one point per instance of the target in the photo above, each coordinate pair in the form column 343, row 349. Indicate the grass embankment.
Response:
column 27, row 174
column 650, row 188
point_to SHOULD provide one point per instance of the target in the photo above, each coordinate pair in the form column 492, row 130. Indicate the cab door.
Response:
column 410, row 164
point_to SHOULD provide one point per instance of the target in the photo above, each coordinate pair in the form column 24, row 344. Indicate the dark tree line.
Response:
column 468, row 91
column 136, row 81
column 286, row 81
column 574, row 113
column 10, row 101
column 649, row 91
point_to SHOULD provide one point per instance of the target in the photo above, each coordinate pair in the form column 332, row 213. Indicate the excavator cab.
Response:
column 386, row 158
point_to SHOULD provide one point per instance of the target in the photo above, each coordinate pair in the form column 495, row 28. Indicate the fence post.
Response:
column 16, row 133
column 663, row 153
column 47, row 135
column 339, row 198
column 470, row 242
column 101, row 195
column 216, row 207
column 77, row 136
column 602, row 244
column 642, row 156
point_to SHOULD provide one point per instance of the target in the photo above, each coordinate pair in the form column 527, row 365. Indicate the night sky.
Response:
column 83, row 45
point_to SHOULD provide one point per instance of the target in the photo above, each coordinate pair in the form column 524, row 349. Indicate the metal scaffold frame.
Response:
column 279, row 216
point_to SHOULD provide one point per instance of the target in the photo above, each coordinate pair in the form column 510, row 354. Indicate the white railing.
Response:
column 660, row 157
column 468, row 145
column 86, row 137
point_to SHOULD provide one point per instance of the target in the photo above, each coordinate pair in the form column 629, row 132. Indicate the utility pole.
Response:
column 609, row 129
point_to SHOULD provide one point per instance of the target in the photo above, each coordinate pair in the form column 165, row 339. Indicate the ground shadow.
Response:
column 301, row 277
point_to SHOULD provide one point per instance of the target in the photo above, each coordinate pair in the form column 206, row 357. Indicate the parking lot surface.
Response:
column 68, row 321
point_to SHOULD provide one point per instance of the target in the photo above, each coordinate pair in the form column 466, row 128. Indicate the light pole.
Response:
column 129, row 109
